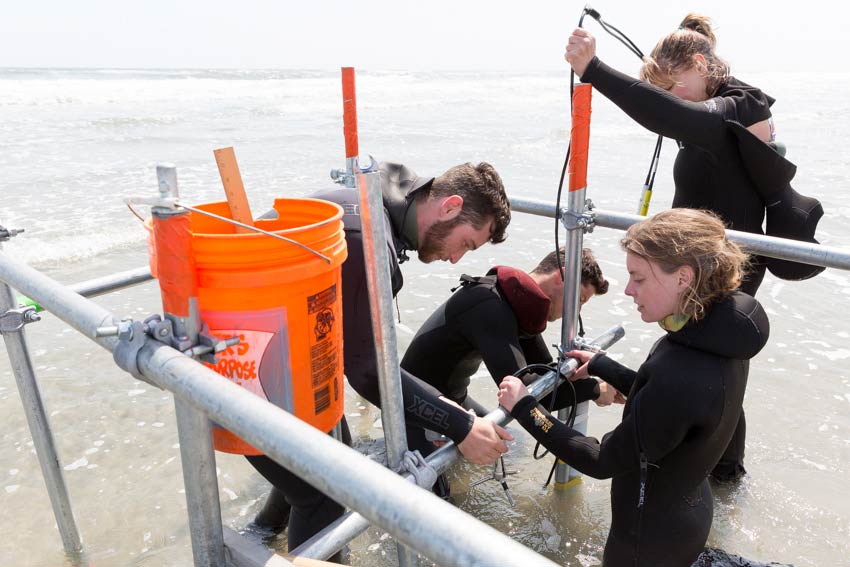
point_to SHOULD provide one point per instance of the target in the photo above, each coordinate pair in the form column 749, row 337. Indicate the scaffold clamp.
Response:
column 131, row 338
column 14, row 320
column 421, row 471
column 346, row 177
column 572, row 220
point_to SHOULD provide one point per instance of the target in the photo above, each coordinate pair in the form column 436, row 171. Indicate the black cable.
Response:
column 630, row 45
column 650, row 176
column 614, row 32
column 584, row 12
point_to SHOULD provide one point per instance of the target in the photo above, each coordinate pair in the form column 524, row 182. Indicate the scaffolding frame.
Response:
column 376, row 495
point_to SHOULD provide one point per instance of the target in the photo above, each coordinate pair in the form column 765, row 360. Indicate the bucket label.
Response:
column 241, row 362
column 324, row 358
column 260, row 361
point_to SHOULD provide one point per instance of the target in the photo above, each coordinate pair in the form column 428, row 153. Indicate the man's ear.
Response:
column 450, row 207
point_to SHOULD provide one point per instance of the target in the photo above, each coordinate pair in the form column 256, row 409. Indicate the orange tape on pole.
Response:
column 175, row 263
column 579, row 137
column 349, row 113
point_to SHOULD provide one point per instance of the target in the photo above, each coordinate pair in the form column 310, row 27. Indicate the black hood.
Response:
column 399, row 185
column 736, row 327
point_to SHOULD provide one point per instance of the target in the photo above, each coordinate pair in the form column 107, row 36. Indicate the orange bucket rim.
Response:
column 337, row 216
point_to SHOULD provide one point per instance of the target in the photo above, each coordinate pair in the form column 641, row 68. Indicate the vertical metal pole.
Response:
column 39, row 426
column 570, row 216
column 379, row 280
column 565, row 474
column 193, row 427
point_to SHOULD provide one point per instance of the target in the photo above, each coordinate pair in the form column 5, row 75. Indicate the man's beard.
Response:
column 433, row 245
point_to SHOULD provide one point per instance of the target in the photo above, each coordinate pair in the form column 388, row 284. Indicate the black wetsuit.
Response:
column 682, row 408
column 312, row 510
column 709, row 172
column 479, row 324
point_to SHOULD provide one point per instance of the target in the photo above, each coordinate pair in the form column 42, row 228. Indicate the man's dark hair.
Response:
column 591, row 273
column 483, row 194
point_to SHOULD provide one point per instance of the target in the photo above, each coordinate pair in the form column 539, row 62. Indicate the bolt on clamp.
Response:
column 585, row 221
column 590, row 346
column 14, row 319
column 7, row 233
column 346, row 177
column 133, row 335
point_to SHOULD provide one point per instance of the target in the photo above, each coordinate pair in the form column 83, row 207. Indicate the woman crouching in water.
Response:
column 683, row 402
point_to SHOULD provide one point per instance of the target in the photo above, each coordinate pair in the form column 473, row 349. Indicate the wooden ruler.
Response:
column 231, row 179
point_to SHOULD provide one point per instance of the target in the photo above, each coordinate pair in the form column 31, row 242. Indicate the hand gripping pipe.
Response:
column 335, row 536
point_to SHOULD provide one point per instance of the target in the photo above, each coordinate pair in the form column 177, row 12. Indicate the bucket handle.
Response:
column 255, row 229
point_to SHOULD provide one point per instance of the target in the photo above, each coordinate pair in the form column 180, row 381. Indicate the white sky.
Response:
column 385, row 35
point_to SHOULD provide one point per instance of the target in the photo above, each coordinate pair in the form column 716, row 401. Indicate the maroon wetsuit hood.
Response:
column 529, row 303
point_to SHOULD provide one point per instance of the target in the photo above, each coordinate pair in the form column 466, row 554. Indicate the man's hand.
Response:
column 485, row 442
column 608, row 395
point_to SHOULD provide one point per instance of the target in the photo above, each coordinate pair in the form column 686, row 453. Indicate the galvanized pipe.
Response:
column 39, row 426
column 815, row 254
column 193, row 427
column 415, row 516
column 112, row 282
column 379, row 281
column 201, row 484
column 572, row 279
column 105, row 284
column 59, row 300
column 331, row 539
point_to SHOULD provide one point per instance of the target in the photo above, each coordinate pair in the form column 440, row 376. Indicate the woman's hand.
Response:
column 584, row 358
column 608, row 395
column 511, row 390
column 581, row 48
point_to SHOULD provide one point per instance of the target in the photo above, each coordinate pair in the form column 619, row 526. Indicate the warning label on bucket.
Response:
column 260, row 361
column 241, row 362
column 324, row 357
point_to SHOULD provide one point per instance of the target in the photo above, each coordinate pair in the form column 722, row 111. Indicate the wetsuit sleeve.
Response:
column 422, row 403
column 698, row 123
column 616, row 454
column 491, row 329
column 661, row 414
column 619, row 376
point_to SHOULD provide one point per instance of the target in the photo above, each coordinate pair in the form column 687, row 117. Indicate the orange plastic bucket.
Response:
column 284, row 303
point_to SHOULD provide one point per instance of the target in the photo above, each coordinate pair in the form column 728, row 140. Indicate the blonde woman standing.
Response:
column 727, row 162
column 683, row 402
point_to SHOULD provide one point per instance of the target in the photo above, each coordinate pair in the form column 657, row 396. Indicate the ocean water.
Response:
column 75, row 143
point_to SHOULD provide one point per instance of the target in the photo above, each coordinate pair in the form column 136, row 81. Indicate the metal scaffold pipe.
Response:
column 42, row 436
column 414, row 516
column 784, row 249
column 336, row 535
